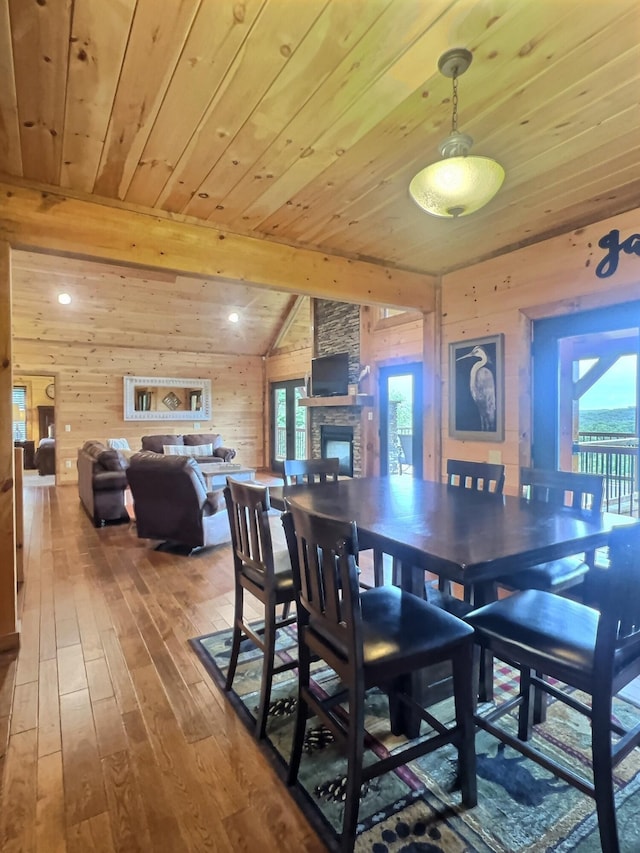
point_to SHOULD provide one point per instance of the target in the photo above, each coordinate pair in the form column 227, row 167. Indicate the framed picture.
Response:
column 171, row 401
column 476, row 389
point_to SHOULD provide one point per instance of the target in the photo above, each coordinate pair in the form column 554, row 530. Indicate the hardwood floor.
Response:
column 117, row 738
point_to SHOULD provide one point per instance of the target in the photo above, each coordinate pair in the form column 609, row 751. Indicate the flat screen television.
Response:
column 330, row 375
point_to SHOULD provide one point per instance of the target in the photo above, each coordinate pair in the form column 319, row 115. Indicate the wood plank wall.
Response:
column 504, row 295
column 89, row 395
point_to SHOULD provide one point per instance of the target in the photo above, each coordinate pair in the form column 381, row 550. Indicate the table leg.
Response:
column 485, row 593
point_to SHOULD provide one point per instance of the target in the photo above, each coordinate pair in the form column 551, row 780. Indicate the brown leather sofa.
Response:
column 102, row 481
column 45, row 456
column 171, row 502
column 156, row 444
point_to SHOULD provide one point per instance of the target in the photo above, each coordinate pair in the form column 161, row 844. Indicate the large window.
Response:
column 19, row 401
column 586, row 391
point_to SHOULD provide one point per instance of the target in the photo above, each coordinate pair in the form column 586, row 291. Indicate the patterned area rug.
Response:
column 521, row 808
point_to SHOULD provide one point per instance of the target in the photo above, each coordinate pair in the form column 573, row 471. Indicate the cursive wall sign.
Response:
column 611, row 242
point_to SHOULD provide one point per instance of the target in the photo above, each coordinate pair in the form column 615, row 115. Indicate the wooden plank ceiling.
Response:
column 115, row 306
column 303, row 121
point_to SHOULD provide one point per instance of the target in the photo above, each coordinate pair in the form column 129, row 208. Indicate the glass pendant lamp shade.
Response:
column 456, row 186
column 460, row 183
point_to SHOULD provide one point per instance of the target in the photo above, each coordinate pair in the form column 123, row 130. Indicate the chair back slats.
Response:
column 481, row 476
column 326, row 575
column 562, row 488
column 248, row 506
column 311, row 470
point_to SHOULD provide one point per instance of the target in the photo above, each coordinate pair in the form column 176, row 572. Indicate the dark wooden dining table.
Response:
column 466, row 536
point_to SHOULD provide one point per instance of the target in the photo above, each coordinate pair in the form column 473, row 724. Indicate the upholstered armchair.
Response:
column 171, row 502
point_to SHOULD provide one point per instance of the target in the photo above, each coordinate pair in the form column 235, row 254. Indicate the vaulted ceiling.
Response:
column 303, row 121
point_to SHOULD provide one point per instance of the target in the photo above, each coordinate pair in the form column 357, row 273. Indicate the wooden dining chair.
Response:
column 561, row 489
column 378, row 637
column 479, row 476
column 582, row 649
column 264, row 574
column 310, row 470
column 482, row 476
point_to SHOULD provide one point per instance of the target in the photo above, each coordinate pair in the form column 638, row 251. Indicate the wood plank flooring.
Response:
column 117, row 740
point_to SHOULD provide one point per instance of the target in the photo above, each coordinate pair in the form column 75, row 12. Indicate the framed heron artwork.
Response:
column 476, row 389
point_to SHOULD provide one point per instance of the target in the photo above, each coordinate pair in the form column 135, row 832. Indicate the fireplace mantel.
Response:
column 344, row 400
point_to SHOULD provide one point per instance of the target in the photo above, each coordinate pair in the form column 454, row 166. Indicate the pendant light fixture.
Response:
column 460, row 183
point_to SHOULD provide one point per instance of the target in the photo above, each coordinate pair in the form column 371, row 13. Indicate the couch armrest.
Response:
column 214, row 502
column 225, row 453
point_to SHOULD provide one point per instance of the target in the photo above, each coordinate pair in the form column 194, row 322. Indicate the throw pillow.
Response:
column 186, row 450
column 118, row 444
column 157, row 442
column 212, row 438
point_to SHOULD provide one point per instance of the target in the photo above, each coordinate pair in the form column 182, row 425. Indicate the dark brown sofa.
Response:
column 171, row 502
column 45, row 456
column 156, row 444
column 102, row 480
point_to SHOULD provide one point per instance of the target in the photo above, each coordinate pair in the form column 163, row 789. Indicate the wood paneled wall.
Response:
column 89, row 395
column 504, row 295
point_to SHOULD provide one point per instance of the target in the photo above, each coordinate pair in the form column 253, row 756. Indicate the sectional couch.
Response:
column 102, row 471
column 204, row 446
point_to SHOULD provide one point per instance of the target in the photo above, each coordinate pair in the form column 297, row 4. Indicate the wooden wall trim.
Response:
column 431, row 396
column 8, row 635
column 51, row 221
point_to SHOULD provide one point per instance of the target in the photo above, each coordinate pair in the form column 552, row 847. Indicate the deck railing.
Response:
column 614, row 455
column 281, row 443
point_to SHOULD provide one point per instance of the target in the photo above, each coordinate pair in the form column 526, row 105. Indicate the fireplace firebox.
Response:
column 338, row 441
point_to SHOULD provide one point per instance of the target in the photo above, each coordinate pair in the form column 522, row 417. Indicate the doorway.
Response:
column 401, row 420
column 289, row 434
column 586, row 388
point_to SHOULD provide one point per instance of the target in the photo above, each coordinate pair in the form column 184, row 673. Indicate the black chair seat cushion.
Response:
column 550, row 576
column 400, row 627
column 522, row 622
column 282, row 569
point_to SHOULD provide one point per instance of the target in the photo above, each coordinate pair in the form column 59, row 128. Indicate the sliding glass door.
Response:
column 288, row 423
column 586, row 391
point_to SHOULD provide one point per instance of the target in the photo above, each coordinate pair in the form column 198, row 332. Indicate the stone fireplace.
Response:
column 337, row 329
column 338, row 441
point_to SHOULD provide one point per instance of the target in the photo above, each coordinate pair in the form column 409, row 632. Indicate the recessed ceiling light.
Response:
column 64, row 299
column 234, row 317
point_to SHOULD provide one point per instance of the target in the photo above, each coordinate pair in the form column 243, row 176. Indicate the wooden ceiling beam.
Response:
column 288, row 316
column 57, row 222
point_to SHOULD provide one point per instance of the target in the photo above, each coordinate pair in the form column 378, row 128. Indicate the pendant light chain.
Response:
column 459, row 183
column 454, row 118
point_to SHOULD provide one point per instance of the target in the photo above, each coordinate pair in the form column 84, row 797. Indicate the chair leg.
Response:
column 355, row 752
column 465, row 702
column 530, row 697
column 485, row 692
column 540, row 702
column 237, row 636
column 267, row 669
column 603, row 773
column 302, row 711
